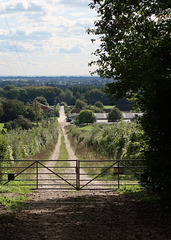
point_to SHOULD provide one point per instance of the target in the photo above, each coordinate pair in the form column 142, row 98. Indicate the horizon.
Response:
column 49, row 76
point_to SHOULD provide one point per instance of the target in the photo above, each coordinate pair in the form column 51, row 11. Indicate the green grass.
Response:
column 14, row 197
column 63, row 155
column 108, row 107
column 86, row 128
column 138, row 192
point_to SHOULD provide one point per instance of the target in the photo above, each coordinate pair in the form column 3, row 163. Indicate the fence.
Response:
column 71, row 174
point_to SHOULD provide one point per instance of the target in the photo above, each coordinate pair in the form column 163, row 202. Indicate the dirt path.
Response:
column 84, row 215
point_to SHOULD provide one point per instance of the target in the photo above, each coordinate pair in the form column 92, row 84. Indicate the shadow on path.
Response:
column 85, row 216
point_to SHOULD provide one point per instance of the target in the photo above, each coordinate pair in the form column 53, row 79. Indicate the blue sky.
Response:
column 47, row 37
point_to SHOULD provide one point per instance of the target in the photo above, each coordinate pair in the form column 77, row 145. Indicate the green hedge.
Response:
column 118, row 141
column 20, row 144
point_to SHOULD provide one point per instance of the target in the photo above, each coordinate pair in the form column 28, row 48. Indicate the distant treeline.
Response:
column 69, row 94
column 51, row 81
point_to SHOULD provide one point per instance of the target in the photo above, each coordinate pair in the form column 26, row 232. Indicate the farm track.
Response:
column 84, row 215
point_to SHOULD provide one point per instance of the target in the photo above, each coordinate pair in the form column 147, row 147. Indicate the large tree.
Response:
column 86, row 116
column 135, row 52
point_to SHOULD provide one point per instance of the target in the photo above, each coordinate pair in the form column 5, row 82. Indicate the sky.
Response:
column 46, row 37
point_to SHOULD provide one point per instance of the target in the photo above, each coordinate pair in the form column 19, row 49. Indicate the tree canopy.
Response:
column 86, row 116
column 115, row 115
column 135, row 52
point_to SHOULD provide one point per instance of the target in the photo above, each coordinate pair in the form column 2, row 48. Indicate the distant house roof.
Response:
column 46, row 108
column 75, row 110
column 107, row 110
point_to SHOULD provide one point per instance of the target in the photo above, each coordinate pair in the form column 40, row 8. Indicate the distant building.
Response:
column 75, row 110
column 128, row 116
column 46, row 109
column 101, row 117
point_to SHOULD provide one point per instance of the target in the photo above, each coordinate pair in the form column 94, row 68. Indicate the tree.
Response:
column 135, row 52
column 86, row 116
column 99, row 104
column 80, row 104
column 115, row 115
column 42, row 100
column 13, row 108
column 20, row 122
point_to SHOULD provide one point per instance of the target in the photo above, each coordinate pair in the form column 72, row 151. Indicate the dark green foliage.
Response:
column 20, row 122
column 115, row 115
column 41, row 100
column 80, row 104
column 3, row 147
column 13, row 108
column 99, row 104
column 86, row 116
column 135, row 51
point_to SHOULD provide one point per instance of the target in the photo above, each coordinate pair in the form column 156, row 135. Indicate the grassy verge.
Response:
column 63, row 155
column 14, row 197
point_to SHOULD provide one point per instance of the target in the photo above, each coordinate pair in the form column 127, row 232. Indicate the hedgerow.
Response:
column 122, row 140
column 25, row 143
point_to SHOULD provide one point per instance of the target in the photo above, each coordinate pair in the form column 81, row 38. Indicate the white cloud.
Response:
column 73, row 50
column 21, row 7
column 74, row 3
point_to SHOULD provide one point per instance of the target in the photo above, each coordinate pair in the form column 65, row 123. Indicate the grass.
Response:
column 63, row 155
column 138, row 192
column 14, row 197
column 108, row 107
column 87, row 128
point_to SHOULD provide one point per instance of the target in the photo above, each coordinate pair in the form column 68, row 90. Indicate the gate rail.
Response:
column 80, row 175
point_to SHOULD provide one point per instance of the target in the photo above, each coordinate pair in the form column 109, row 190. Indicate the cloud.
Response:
column 47, row 33
column 8, row 47
column 75, row 3
column 20, row 7
column 74, row 50
column 33, row 36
